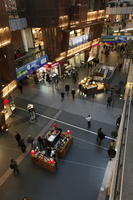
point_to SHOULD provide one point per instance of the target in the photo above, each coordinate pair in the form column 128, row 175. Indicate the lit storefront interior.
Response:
column 8, row 102
column 38, row 38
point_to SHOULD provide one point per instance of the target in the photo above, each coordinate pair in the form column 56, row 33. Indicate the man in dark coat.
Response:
column 14, row 167
column 18, row 138
column 100, row 136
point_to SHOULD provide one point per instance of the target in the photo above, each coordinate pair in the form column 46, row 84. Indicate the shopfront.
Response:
column 53, row 69
column 37, row 35
column 33, row 69
column 74, row 62
column 7, row 103
column 78, row 37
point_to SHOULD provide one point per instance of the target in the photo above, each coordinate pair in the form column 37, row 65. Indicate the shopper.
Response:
column 73, row 93
column 109, row 101
column 43, row 76
column 62, row 96
column 14, row 167
column 39, row 47
column 57, row 83
column 89, row 120
column 67, row 88
column 40, row 142
column 100, row 136
column 18, row 138
column 118, row 121
column 111, row 152
column 22, row 146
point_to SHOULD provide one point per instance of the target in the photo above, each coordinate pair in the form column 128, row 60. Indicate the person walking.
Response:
column 100, row 136
column 14, row 167
column 62, row 96
column 40, row 142
column 43, row 77
column 18, row 138
column 73, row 94
column 67, row 88
column 109, row 101
column 89, row 120
column 22, row 146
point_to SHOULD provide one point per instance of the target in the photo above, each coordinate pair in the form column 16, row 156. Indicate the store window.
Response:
column 38, row 38
column 78, row 37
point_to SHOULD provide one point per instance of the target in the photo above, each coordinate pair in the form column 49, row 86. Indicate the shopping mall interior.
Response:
column 66, row 99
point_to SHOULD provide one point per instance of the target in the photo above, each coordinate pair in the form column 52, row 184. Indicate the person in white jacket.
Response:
column 89, row 120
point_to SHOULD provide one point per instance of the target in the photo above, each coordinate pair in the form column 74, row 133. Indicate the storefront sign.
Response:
column 31, row 67
column 118, row 39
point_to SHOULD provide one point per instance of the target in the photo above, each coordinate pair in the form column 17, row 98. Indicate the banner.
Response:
column 25, row 70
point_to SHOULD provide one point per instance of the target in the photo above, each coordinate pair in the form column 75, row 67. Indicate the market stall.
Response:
column 61, row 141
column 45, row 159
column 104, row 73
column 57, row 144
column 90, row 86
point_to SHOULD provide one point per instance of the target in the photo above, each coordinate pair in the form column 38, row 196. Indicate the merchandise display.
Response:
column 44, row 159
column 89, row 86
column 61, row 141
column 57, row 143
column 103, row 73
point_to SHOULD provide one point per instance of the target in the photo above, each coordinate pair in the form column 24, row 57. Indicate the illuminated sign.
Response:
column 116, row 38
column 22, row 72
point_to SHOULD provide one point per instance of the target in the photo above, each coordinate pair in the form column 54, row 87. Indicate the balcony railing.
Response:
column 119, row 10
column 29, row 57
column 91, row 16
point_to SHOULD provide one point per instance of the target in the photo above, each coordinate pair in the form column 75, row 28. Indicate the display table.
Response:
column 89, row 86
column 43, row 161
column 57, row 144
column 60, row 141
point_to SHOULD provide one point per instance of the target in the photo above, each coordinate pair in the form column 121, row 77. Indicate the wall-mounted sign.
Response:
column 22, row 72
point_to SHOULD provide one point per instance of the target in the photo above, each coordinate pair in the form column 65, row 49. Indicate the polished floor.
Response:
column 81, row 171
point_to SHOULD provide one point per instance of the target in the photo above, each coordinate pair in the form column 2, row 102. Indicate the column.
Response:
column 24, row 40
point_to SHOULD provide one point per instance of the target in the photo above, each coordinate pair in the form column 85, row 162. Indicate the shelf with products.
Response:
column 42, row 159
column 61, row 141
column 89, row 86
column 57, row 144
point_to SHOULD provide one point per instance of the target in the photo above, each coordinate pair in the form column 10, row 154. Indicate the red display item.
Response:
column 68, row 132
column 6, row 101
column 57, row 131
column 54, row 125
column 33, row 152
column 51, row 162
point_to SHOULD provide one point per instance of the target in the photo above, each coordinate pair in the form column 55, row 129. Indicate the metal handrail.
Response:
column 113, row 180
column 118, row 164
column 110, row 173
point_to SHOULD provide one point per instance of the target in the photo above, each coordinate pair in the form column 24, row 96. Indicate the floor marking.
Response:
column 91, row 143
column 82, row 164
column 65, row 123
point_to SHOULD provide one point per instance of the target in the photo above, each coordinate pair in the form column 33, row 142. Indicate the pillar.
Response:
column 24, row 40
